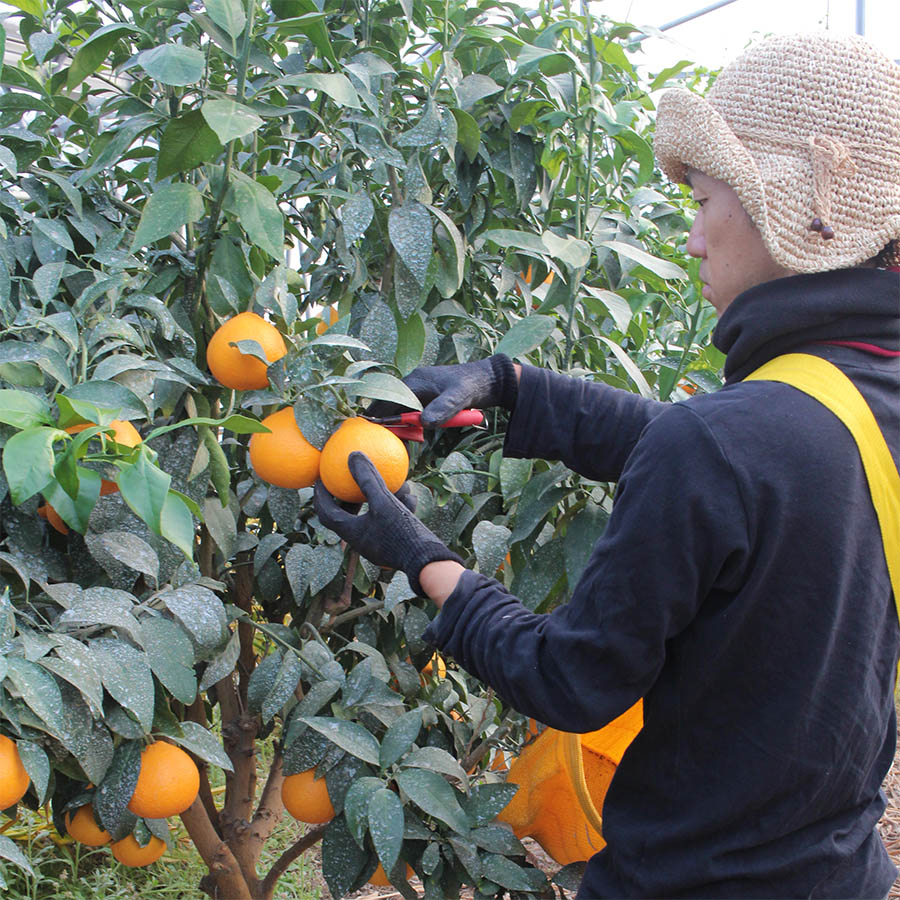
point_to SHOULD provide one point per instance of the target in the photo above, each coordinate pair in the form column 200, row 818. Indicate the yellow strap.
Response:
column 575, row 765
column 831, row 387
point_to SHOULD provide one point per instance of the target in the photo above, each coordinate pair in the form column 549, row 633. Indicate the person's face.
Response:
column 734, row 257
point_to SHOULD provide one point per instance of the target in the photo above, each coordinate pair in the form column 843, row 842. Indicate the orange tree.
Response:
column 419, row 170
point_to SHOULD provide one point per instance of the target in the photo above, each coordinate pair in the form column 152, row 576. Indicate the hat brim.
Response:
column 691, row 134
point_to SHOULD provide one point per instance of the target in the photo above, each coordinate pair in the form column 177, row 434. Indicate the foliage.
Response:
column 432, row 165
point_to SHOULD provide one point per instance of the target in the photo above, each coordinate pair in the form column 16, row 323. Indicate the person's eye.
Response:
column 700, row 201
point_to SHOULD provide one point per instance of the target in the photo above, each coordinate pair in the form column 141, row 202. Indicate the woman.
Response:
column 741, row 586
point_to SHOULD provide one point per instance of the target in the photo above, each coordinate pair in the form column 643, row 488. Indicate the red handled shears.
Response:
column 408, row 426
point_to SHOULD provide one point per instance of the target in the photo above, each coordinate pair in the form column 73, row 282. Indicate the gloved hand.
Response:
column 388, row 534
column 447, row 389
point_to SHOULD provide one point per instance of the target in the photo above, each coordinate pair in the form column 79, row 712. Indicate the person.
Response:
column 740, row 586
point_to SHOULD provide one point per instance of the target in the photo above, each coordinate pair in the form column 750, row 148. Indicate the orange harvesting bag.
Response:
column 563, row 779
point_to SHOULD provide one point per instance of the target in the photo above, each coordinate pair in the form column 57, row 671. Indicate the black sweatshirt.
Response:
column 741, row 589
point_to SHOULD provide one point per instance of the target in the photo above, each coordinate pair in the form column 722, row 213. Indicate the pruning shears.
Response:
column 408, row 426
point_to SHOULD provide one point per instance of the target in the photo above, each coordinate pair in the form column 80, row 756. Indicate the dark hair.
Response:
column 889, row 257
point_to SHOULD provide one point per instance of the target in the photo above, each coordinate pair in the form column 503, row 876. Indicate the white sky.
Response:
column 719, row 36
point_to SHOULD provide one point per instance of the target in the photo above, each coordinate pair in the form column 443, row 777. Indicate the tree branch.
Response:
column 281, row 865
column 225, row 874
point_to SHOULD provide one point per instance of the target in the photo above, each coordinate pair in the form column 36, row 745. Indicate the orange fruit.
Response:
column 238, row 370
column 14, row 779
column 380, row 879
column 382, row 446
column 284, row 457
column 167, row 784
column 130, row 853
column 46, row 511
column 306, row 798
column 329, row 316
column 123, row 432
column 84, row 828
column 428, row 668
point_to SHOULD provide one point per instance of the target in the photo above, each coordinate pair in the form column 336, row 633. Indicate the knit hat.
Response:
column 806, row 129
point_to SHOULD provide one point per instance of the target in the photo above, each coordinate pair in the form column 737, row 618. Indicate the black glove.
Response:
column 447, row 389
column 388, row 534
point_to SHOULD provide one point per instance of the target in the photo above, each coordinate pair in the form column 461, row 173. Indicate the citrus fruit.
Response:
column 306, row 798
column 382, row 446
column 84, row 828
column 284, row 457
column 123, row 432
column 46, row 511
column 379, row 879
column 14, row 779
column 237, row 370
column 130, row 853
column 329, row 316
column 167, row 784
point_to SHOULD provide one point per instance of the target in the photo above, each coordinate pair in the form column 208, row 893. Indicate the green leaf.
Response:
column 173, row 64
column 661, row 267
column 614, row 305
column 73, row 663
column 126, row 675
column 349, row 736
column 385, row 815
column 55, row 232
column 115, row 791
column 435, row 760
column 223, row 665
column 91, row 54
column 202, row 615
column 167, row 210
column 28, row 460
column 39, row 690
column 32, row 7
column 487, row 801
column 518, row 240
column 356, row 806
column 203, row 743
column 636, row 375
column 228, row 15
column 409, row 227
column 507, row 874
column 186, row 143
column 237, row 423
column 37, row 765
column 467, row 133
column 342, row 858
column 230, row 120
column 475, row 87
column 314, row 25
column 254, row 206
column 434, row 796
column 171, row 657
column 490, row 543
column 176, row 523
column 24, row 410
column 99, row 606
column 336, row 86
column 569, row 250
column 144, row 488
column 8, row 849
column 525, row 335
column 411, row 338
column 283, row 687
column 399, row 738
column 382, row 386
column 356, row 215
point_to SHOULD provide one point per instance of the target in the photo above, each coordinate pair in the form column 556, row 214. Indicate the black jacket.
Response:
column 741, row 588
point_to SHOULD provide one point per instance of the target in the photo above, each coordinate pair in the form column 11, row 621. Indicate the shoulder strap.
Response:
column 831, row 387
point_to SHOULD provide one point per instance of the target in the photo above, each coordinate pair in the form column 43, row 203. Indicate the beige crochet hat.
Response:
column 806, row 129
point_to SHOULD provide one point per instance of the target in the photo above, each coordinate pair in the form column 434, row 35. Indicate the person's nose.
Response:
column 696, row 242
